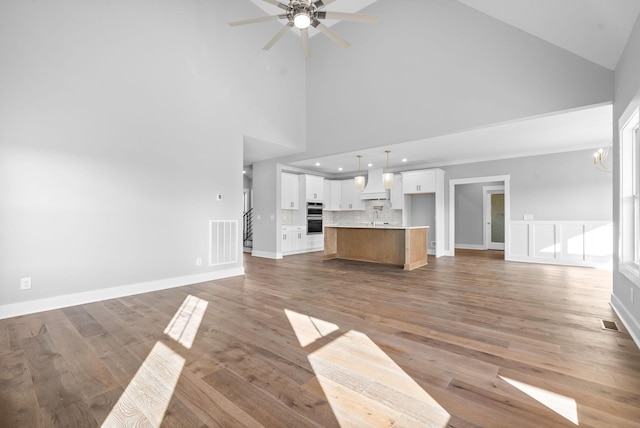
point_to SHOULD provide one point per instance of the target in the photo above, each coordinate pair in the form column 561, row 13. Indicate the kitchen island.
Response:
column 395, row 245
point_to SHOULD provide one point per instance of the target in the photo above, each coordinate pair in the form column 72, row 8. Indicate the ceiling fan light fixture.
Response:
column 302, row 20
column 303, row 14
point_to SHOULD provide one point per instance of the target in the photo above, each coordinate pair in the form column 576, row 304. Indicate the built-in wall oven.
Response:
column 314, row 218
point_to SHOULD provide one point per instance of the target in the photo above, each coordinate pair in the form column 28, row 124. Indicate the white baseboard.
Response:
column 630, row 323
column 470, row 247
column 266, row 254
column 51, row 303
column 559, row 262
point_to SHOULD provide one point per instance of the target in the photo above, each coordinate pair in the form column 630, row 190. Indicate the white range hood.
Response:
column 374, row 189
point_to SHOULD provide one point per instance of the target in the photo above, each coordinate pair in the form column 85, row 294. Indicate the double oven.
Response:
column 314, row 218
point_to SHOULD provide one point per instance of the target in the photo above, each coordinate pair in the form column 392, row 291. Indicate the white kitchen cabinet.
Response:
column 315, row 242
column 396, row 201
column 290, row 191
column 285, row 240
column 294, row 240
column 350, row 198
column 313, row 187
column 332, row 195
column 416, row 182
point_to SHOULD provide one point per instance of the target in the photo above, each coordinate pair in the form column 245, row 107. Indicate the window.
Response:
column 630, row 198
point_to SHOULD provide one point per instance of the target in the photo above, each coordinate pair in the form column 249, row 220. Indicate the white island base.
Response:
column 401, row 246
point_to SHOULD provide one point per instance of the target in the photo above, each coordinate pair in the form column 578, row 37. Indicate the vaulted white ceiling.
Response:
column 596, row 30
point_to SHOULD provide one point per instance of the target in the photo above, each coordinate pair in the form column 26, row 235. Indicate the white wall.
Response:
column 627, row 92
column 560, row 186
column 456, row 69
column 266, row 209
column 119, row 124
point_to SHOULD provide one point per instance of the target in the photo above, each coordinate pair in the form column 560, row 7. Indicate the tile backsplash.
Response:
column 286, row 217
column 386, row 215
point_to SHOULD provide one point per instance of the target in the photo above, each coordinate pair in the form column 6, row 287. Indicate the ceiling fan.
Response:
column 303, row 14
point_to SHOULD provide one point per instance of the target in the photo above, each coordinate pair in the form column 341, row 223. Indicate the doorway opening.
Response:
column 499, row 184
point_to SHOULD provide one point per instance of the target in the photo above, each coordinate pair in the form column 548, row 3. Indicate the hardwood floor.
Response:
column 465, row 341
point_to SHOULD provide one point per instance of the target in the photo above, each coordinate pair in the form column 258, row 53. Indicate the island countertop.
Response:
column 405, row 246
column 377, row 226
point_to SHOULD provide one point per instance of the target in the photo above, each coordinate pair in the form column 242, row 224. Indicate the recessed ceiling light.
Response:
column 340, row 169
column 404, row 160
column 317, row 163
column 370, row 165
column 244, row 172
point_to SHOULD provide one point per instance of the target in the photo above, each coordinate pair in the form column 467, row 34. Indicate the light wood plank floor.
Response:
column 465, row 341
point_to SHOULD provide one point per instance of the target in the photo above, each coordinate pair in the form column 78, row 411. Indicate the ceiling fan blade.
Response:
column 353, row 17
column 277, row 3
column 321, row 3
column 256, row 20
column 278, row 36
column 305, row 42
column 330, row 33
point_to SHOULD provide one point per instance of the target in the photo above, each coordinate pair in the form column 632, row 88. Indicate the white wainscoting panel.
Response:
column 575, row 243
column 544, row 241
column 519, row 245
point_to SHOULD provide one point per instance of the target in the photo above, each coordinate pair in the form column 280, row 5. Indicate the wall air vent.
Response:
column 223, row 242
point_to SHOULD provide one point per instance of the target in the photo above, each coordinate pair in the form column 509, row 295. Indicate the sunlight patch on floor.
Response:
column 146, row 399
column 562, row 405
column 186, row 321
column 147, row 396
column 362, row 384
column 309, row 329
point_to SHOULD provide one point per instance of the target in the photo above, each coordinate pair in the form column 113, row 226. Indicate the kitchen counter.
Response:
column 377, row 226
column 397, row 245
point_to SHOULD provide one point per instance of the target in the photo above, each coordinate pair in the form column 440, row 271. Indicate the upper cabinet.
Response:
column 290, row 192
column 341, row 195
column 350, row 198
column 313, row 187
column 415, row 182
column 332, row 195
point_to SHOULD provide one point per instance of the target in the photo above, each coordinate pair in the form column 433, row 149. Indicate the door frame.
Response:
column 487, row 191
column 506, row 179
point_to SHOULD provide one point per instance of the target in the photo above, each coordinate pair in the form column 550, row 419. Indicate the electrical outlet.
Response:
column 219, row 197
column 433, row 244
column 25, row 283
column 198, row 261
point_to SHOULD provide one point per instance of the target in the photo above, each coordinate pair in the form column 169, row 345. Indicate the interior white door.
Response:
column 494, row 219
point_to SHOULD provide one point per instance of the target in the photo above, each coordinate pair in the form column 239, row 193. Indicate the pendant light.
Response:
column 359, row 179
column 387, row 177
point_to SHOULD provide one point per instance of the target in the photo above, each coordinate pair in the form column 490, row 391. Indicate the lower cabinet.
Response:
column 295, row 240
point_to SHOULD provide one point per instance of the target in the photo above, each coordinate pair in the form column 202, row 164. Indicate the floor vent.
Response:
column 609, row 325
